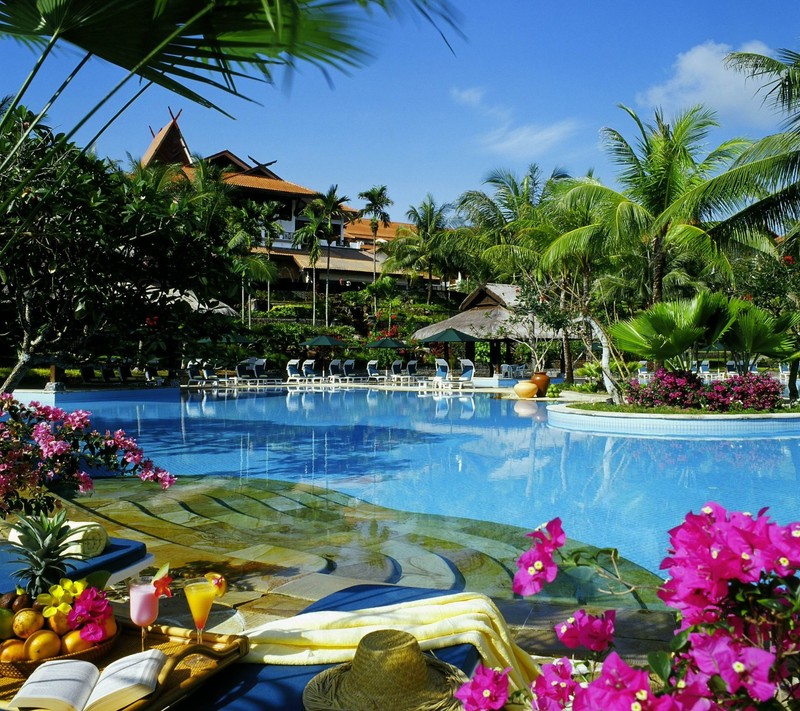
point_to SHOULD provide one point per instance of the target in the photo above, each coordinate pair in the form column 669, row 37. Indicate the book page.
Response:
column 60, row 685
column 126, row 680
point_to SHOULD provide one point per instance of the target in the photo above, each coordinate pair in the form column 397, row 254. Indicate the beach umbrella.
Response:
column 324, row 341
column 449, row 335
column 387, row 343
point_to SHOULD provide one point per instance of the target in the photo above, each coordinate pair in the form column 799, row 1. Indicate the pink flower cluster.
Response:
column 536, row 565
column 733, row 579
column 43, row 448
column 751, row 391
column 89, row 613
column 488, row 690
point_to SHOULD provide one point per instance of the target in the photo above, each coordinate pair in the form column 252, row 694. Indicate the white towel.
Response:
column 331, row 637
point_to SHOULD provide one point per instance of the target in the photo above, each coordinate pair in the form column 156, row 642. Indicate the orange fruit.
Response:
column 73, row 642
column 12, row 650
column 26, row 622
column 58, row 623
column 42, row 644
column 219, row 583
column 109, row 627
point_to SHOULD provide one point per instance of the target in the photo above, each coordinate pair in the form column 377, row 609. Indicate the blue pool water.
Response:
column 476, row 457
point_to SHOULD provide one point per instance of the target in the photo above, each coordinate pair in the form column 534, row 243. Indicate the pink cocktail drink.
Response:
column 143, row 603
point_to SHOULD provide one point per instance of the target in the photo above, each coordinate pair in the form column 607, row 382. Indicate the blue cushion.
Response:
column 119, row 553
column 268, row 687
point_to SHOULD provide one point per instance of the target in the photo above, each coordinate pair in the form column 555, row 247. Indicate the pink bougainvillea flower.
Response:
column 536, row 567
column 594, row 632
column 555, row 538
column 488, row 689
column 554, row 688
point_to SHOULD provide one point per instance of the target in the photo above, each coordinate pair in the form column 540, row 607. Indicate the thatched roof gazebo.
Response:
column 487, row 314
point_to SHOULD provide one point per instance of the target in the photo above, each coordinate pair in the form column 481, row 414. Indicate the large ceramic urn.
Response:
column 542, row 381
column 525, row 389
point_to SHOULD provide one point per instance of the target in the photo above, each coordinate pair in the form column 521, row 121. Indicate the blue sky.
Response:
column 530, row 82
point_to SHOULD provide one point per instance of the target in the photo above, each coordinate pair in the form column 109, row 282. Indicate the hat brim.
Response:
column 325, row 691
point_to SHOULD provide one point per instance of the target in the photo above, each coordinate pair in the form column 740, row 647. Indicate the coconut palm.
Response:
column 651, row 214
column 330, row 207
column 378, row 201
column 421, row 247
column 310, row 234
column 782, row 73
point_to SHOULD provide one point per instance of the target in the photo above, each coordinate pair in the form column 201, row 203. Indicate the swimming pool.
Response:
column 477, row 457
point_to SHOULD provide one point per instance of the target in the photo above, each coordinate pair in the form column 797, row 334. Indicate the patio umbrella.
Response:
column 324, row 341
column 449, row 335
column 387, row 343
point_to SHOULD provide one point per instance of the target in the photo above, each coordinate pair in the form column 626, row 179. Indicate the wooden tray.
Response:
column 189, row 664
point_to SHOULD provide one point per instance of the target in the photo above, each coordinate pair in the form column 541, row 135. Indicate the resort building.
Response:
column 355, row 254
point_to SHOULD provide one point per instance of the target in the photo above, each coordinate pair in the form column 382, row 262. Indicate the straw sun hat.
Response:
column 388, row 671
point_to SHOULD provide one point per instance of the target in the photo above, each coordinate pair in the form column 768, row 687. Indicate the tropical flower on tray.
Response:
column 733, row 581
column 77, row 605
column 46, row 451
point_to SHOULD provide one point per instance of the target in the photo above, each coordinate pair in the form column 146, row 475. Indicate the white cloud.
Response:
column 506, row 137
column 699, row 76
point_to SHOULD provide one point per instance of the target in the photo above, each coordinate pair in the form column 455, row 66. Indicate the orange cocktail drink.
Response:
column 200, row 594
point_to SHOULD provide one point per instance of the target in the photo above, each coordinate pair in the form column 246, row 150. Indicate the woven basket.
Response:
column 23, row 669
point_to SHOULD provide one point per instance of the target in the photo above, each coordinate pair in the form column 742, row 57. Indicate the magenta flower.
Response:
column 554, row 688
column 488, row 689
column 596, row 633
column 536, row 567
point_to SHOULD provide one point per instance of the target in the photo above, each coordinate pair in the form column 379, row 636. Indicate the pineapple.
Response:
column 41, row 546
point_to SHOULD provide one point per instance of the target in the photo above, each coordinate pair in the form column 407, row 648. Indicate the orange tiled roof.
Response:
column 361, row 229
column 261, row 182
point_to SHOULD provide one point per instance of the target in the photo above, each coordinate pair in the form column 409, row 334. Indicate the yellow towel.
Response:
column 331, row 637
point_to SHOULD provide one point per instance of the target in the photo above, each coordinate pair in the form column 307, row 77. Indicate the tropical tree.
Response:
column 378, row 202
column 421, row 247
column 782, row 72
column 652, row 215
column 330, row 207
column 250, row 224
column 504, row 225
column 309, row 235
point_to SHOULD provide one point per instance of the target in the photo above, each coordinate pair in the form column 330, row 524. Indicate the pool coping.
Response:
column 564, row 416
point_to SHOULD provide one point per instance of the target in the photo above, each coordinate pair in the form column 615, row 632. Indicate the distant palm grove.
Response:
column 139, row 262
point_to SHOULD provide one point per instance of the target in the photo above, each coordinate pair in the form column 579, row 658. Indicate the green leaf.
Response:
column 661, row 664
column 98, row 579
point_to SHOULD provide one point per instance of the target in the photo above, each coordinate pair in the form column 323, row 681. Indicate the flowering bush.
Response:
column 44, row 449
column 686, row 390
column 733, row 580
column 667, row 388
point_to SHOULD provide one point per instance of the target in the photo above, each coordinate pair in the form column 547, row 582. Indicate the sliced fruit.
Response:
column 42, row 644
column 12, row 650
column 73, row 642
column 219, row 583
column 26, row 622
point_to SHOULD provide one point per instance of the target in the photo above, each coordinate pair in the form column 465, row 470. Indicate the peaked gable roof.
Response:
column 491, row 295
column 168, row 146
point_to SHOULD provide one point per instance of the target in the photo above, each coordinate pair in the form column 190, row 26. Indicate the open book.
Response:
column 76, row 685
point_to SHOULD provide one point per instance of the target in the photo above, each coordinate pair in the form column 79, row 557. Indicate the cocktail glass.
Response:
column 144, row 603
column 200, row 594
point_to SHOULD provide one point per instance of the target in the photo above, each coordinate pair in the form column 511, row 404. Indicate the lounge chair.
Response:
column 411, row 370
column 89, row 377
column 198, row 378
column 396, row 371
column 335, row 371
column 151, row 376
column 309, row 374
column 293, row 374
column 275, row 687
column 465, row 377
column 442, row 373
column 261, row 375
column 373, row 373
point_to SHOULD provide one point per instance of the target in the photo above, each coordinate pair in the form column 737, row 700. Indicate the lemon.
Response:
column 219, row 583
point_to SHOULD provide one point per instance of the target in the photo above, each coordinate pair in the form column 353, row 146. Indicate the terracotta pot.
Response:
column 525, row 390
column 542, row 381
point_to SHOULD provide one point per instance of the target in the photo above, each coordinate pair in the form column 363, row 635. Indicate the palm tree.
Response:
column 378, row 201
column 504, row 225
column 420, row 248
column 330, row 207
column 783, row 75
column 309, row 234
column 652, row 214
